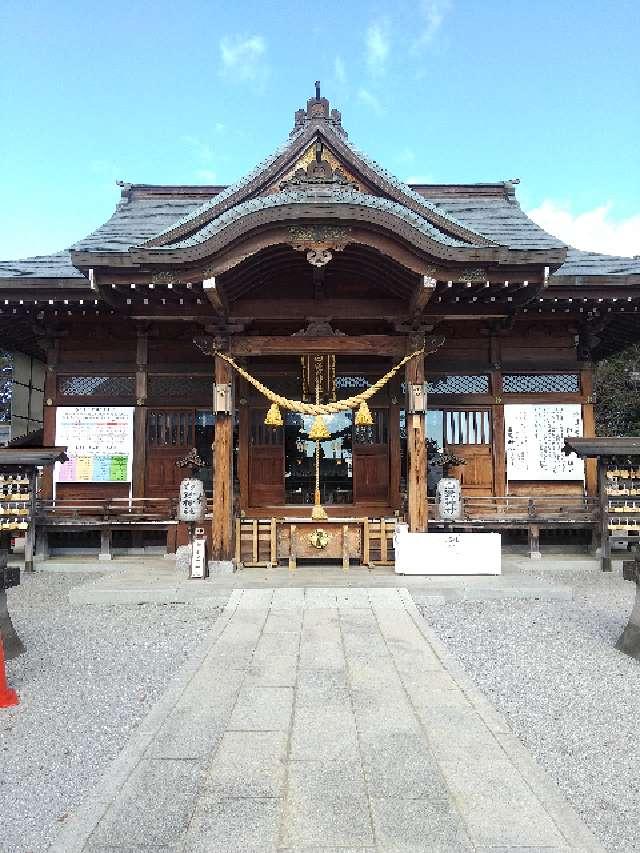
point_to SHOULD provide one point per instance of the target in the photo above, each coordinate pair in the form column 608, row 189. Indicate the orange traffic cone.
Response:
column 8, row 697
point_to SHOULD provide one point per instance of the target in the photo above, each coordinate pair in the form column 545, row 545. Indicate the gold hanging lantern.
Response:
column 363, row 415
column 319, row 431
column 274, row 416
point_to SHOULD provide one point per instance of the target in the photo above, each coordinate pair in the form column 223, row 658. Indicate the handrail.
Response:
column 111, row 508
column 524, row 507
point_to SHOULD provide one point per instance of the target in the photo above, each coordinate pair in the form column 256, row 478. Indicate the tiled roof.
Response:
column 590, row 263
column 499, row 219
column 342, row 196
column 137, row 220
column 232, row 189
column 339, row 141
column 42, row 266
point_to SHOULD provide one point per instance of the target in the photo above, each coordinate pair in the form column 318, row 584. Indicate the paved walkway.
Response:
column 323, row 719
column 155, row 580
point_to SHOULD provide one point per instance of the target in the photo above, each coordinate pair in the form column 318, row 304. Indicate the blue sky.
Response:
column 435, row 90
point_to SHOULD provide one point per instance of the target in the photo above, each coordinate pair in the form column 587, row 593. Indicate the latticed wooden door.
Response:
column 170, row 436
column 371, row 460
column 467, row 434
column 266, row 461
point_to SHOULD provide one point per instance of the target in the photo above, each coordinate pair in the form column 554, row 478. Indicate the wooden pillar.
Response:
column 244, row 434
column 588, row 429
column 416, row 449
column 140, row 416
column 497, row 419
column 49, row 413
column 605, row 545
column 30, row 536
column 395, row 500
column 222, row 523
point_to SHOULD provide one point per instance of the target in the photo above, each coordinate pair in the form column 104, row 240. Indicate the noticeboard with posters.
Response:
column 99, row 441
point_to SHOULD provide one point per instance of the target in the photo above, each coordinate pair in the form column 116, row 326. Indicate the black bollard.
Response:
column 9, row 576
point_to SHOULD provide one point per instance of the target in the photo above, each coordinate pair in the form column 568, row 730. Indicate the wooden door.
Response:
column 467, row 434
column 170, row 436
column 266, row 461
column 371, row 460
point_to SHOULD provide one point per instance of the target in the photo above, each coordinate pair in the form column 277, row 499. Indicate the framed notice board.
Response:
column 99, row 442
column 534, row 441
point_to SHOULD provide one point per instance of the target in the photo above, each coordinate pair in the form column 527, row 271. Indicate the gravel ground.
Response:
column 550, row 667
column 90, row 674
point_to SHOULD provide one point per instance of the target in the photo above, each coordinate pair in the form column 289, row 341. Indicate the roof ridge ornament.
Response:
column 318, row 172
column 318, row 109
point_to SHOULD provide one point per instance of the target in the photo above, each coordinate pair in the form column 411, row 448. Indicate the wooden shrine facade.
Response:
column 317, row 252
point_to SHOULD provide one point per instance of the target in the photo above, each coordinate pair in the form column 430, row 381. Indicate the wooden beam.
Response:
column 222, row 522
column 140, row 416
column 297, row 345
column 215, row 296
column 422, row 294
column 588, row 429
column 416, row 451
column 49, row 413
column 329, row 309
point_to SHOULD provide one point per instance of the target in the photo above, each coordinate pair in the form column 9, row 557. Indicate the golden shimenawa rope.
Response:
column 319, row 408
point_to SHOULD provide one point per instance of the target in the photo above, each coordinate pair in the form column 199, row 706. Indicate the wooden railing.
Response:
column 475, row 508
column 112, row 509
column 525, row 508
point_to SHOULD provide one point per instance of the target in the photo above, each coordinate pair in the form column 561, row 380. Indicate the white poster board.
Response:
column 99, row 441
column 446, row 553
column 534, row 438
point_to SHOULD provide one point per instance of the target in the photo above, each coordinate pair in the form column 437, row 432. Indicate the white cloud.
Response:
column 201, row 149
column 206, row 175
column 432, row 14
column 419, row 179
column 339, row 70
column 244, row 58
column 592, row 231
column 377, row 46
column 370, row 100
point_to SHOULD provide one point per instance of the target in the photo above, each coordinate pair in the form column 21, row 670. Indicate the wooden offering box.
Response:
column 330, row 540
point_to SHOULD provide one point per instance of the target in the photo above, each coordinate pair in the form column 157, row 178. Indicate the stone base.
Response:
column 629, row 641
column 221, row 567
column 13, row 645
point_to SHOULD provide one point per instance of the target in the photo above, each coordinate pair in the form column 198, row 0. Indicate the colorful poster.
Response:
column 534, row 441
column 67, row 471
column 119, row 468
column 101, row 469
column 99, row 442
column 83, row 468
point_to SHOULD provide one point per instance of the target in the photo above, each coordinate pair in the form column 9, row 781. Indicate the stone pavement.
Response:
column 155, row 580
column 323, row 719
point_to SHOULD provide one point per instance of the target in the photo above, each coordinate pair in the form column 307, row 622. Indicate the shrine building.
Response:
column 312, row 277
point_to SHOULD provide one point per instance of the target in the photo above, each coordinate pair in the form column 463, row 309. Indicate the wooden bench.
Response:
column 530, row 514
column 138, row 515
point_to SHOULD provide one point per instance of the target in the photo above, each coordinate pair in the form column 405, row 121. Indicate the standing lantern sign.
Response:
column 192, row 508
column 449, row 498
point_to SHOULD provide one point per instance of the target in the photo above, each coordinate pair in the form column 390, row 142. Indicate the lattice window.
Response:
column 96, row 386
column 352, row 383
column 541, row 383
column 170, row 429
column 458, row 384
column 181, row 389
column 467, row 427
